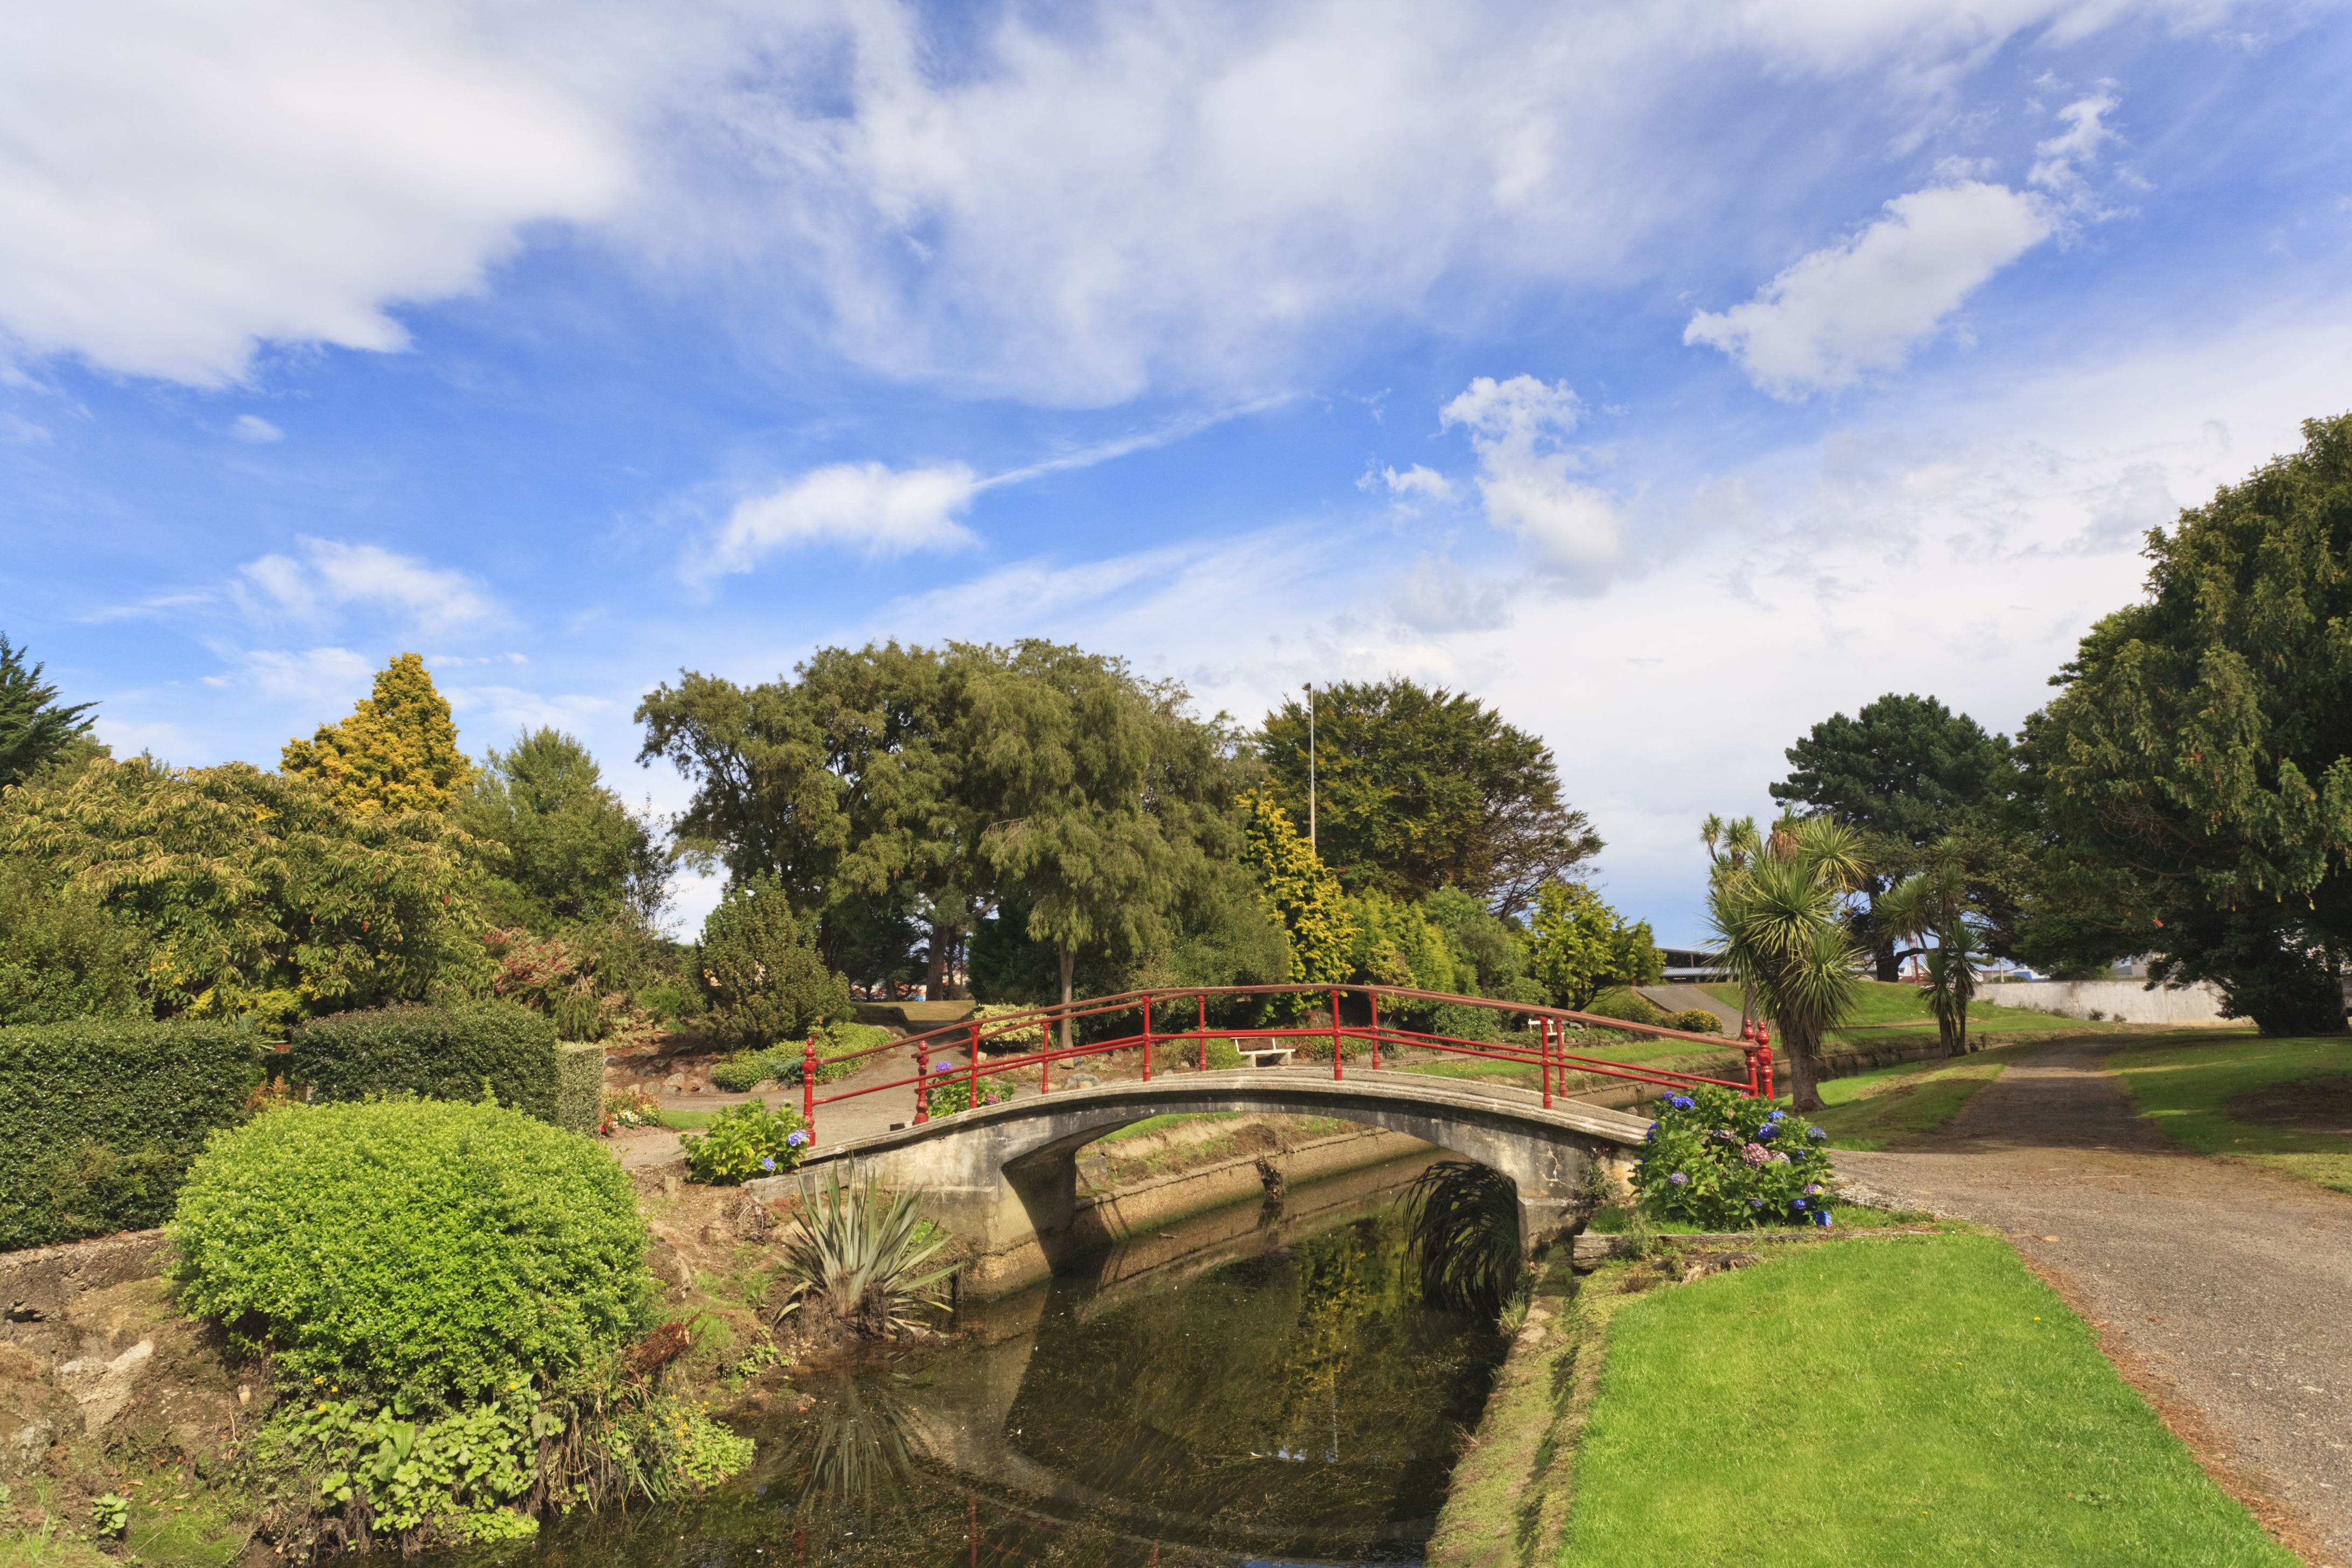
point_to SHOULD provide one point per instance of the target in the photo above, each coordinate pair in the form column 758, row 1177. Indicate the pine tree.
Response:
column 761, row 968
column 1301, row 891
column 396, row 753
column 35, row 727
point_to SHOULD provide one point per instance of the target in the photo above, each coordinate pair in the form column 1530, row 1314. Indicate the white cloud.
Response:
column 179, row 184
column 1418, row 480
column 1517, row 427
column 1861, row 305
column 332, row 575
column 253, row 428
column 2058, row 160
column 315, row 673
column 879, row 511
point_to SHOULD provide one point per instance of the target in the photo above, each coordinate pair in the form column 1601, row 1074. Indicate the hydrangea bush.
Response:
column 954, row 1090
column 745, row 1141
column 1721, row 1160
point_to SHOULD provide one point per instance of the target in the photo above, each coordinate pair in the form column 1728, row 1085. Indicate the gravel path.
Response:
column 2221, row 1289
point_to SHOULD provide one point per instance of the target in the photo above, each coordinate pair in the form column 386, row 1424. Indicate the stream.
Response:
column 1257, row 1384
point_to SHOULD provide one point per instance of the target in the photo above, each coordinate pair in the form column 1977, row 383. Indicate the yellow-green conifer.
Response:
column 1300, row 891
column 396, row 753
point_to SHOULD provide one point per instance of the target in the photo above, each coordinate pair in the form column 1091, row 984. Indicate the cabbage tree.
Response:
column 1779, row 917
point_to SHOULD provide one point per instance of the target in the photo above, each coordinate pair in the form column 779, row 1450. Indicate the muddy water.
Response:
column 1257, row 1384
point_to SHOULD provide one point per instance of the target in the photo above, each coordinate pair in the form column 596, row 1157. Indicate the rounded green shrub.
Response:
column 745, row 1141
column 423, row 1253
column 1694, row 1021
column 1625, row 1003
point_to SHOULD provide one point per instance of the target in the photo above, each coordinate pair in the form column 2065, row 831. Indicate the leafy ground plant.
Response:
column 1974, row 1421
column 860, row 1263
column 1724, row 1161
column 953, row 1092
column 745, row 1141
column 2284, row 1104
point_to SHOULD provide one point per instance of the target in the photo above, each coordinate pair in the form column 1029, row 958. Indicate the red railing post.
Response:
column 1548, row 1026
column 1375, row 1000
column 1336, row 1074
column 1764, row 1052
column 1147, row 1036
column 922, row 1080
column 1045, row 1064
column 975, row 1097
column 1205, row 1031
column 808, row 1087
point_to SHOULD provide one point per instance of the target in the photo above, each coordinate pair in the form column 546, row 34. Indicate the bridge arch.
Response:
column 1003, row 1178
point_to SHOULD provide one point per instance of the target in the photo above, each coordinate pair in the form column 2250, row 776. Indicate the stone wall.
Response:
column 2127, row 1001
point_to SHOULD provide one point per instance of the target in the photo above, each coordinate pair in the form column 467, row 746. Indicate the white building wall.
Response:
column 2128, row 1001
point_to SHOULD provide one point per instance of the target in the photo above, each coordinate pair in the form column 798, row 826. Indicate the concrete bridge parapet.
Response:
column 1003, row 1178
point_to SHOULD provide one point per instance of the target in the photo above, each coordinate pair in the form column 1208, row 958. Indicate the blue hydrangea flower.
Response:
column 1798, row 1205
column 768, row 1164
column 1765, row 1133
column 1683, row 1102
column 1777, row 1116
column 1756, row 1203
column 1821, row 1218
column 1678, row 1179
column 1815, row 1132
column 1652, row 1135
column 795, row 1139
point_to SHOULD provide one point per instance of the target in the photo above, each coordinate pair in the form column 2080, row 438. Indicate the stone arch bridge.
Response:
column 1003, row 1178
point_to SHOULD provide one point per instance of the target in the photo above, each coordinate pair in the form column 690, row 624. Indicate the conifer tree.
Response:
column 1301, row 891
column 396, row 753
column 35, row 727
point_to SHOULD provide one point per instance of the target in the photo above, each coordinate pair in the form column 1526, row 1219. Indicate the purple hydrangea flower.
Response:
column 795, row 1139
column 1813, row 1191
column 1766, row 1133
column 768, row 1164
column 1683, row 1102
column 1756, row 1203
column 1678, row 1179
column 1798, row 1205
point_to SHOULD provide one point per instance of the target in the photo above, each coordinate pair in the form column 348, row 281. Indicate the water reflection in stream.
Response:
column 1251, row 1386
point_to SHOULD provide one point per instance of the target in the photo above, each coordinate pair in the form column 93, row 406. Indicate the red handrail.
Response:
column 1551, row 1061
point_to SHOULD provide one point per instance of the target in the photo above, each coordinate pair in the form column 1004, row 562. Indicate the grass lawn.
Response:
column 2185, row 1087
column 1887, row 1014
column 1912, row 1400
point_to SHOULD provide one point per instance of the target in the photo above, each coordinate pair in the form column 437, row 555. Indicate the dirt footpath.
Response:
column 2222, row 1288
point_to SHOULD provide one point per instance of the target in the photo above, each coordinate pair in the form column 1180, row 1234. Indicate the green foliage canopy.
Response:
column 254, row 891
column 1579, row 946
column 1418, row 789
column 62, row 954
column 764, row 978
column 1300, row 891
column 574, row 853
column 2192, row 783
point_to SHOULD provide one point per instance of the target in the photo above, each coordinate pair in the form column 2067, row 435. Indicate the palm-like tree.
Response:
column 1778, row 912
column 1934, row 903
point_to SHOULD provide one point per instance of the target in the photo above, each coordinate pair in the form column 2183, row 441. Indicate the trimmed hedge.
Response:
column 428, row 1254
column 100, row 1120
column 579, row 1087
column 432, row 1053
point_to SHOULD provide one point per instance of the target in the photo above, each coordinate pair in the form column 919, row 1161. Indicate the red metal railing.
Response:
column 1549, row 1055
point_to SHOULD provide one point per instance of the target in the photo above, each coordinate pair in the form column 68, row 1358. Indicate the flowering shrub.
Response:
column 1722, row 1161
column 954, row 1090
column 745, row 1141
column 626, row 1109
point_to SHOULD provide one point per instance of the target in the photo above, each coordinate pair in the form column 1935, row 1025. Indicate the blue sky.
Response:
column 1670, row 375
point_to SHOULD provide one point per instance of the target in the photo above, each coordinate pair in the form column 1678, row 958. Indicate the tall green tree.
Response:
column 397, row 751
column 1418, row 789
column 1906, row 770
column 36, row 729
column 2190, row 787
column 1106, row 803
column 574, row 852
column 1776, row 915
column 1934, row 903
column 1579, row 946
